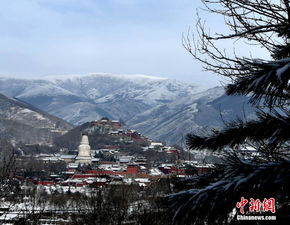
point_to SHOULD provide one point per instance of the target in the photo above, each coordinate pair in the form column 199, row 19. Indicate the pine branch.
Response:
column 267, row 81
column 272, row 128
column 213, row 204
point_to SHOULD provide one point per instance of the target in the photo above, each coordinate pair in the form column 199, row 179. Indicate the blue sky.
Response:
column 51, row 37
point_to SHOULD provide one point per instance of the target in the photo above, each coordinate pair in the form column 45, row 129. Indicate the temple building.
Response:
column 84, row 151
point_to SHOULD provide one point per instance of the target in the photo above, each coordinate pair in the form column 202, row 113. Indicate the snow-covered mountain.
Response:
column 20, row 122
column 203, row 111
column 79, row 99
column 162, row 108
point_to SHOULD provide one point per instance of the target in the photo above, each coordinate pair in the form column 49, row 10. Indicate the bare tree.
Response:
column 259, row 22
column 265, row 24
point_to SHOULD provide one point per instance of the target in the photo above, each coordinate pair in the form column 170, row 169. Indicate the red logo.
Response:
column 256, row 205
column 242, row 204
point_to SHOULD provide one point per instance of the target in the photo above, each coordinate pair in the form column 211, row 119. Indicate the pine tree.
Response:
column 265, row 23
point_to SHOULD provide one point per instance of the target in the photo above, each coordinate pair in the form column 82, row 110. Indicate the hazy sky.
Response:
column 51, row 37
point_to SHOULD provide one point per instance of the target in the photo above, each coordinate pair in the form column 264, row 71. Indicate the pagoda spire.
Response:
column 84, row 151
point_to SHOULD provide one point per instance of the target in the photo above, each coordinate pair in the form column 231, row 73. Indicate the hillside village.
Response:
column 100, row 158
column 111, row 164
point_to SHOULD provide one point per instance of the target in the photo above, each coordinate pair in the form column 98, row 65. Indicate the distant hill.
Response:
column 162, row 109
column 203, row 111
column 80, row 99
column 23, row 123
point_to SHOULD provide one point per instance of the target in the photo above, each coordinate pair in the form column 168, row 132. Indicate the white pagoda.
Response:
column 84, row 154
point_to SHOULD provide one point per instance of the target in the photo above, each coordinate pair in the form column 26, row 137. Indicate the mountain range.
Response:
column 161, row 108
column 23, row 123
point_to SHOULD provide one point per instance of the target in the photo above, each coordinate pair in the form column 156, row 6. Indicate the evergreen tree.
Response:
column 213, row 197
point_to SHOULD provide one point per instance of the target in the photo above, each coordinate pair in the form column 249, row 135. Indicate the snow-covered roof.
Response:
column 68, row 156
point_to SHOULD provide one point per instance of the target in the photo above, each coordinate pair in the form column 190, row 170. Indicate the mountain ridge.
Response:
column 22, row 123
column 161, row 108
